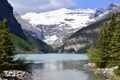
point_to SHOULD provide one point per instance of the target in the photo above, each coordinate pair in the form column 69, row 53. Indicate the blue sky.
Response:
column 94, row 3
column 25, row 6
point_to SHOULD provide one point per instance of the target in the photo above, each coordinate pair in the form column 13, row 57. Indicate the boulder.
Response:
column 89, row 65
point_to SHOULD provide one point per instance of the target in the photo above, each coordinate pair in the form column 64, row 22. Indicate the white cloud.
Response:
column 23, row 6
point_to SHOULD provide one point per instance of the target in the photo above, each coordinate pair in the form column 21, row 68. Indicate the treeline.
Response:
column 107, row 51
column 7, row 51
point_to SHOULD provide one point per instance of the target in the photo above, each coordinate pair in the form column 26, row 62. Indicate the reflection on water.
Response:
column 59, row 66
column 63, row 70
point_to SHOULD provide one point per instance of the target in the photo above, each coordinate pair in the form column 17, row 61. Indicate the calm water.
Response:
column 59, row 67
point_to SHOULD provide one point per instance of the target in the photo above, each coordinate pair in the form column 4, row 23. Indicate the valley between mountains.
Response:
column 60, row 31
column 67, row 30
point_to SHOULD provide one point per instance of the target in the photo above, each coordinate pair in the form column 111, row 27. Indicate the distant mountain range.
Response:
column 54, row 27
column 81, row 40
column 64, row 29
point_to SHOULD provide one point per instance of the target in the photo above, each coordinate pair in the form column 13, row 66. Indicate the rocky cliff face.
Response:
column 27, row 27
column 6, row 11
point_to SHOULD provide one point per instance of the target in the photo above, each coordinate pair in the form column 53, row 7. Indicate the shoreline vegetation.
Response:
column 8, row 65
column 106, row 53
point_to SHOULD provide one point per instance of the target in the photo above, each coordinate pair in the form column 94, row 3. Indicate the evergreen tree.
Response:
column 107, row 51
column 107, row 43
column 115, row 47
column 6, row 51
column 102, row 46
column 104, row 41
column 6, row 46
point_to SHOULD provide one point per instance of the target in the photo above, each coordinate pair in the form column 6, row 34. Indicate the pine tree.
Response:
column 105, row 38
column 6, row 46
column 6, row 51
column 115, row 46
column 104, row 41
column 102, row 46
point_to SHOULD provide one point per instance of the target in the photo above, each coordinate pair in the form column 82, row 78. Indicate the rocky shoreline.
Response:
column 106, row 72
column 15, row 75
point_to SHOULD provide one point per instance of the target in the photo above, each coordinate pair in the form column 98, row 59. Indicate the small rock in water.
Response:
column 89, row 65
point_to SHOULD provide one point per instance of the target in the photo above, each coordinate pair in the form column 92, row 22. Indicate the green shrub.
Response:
column 94, row 56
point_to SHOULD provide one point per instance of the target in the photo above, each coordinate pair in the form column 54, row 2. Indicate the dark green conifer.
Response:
column 6, row 51
column 107, row 42
column 115, row 47
column 6, row 46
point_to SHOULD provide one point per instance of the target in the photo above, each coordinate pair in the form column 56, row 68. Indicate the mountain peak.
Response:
column 58, row 23
column 112, row 6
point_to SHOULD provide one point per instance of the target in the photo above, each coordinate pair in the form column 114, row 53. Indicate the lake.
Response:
column 59, row 67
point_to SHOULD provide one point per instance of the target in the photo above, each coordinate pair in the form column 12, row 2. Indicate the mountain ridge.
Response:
column 81, row 40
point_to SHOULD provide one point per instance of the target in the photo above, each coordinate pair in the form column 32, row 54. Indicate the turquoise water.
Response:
column 59, row 67
column 40, row 58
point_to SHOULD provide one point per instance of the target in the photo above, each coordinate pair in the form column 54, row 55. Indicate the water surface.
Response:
column 41, row 58
column 59, row 67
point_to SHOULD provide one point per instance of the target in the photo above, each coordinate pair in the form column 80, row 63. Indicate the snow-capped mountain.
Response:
column 58, row 24
column 75, row 18
column 111, row 6
column 99, row 12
